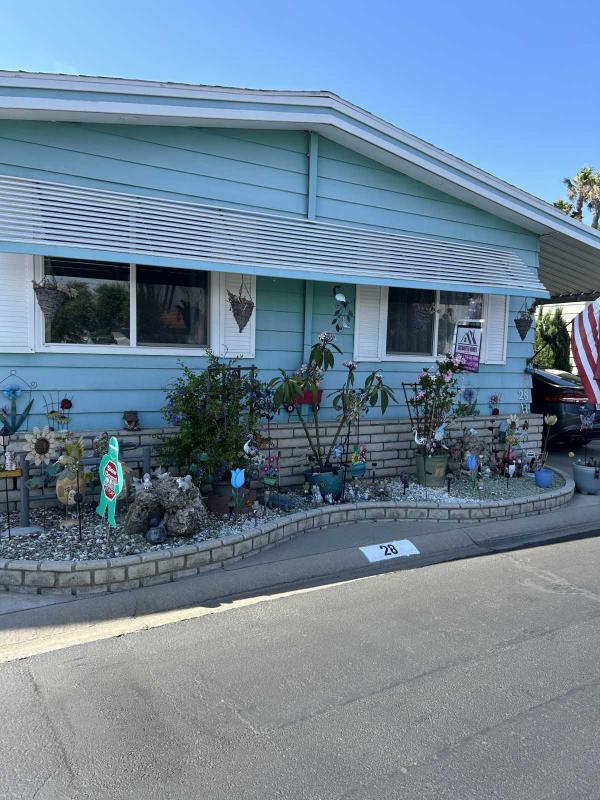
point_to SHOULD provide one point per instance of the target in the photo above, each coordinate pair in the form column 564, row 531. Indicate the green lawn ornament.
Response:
column 111, row 479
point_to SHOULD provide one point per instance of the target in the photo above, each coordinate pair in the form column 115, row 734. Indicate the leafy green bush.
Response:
column 215, row 411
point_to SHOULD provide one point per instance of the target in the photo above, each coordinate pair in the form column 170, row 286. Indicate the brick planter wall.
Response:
column 149, row 569
column 389, row 442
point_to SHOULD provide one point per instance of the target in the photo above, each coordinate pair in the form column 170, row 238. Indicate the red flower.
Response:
column 66, row 404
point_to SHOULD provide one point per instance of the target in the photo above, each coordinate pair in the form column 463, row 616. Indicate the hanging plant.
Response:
column 242, row 305
column 51, row 296
column 524, row 320
column 343, row 314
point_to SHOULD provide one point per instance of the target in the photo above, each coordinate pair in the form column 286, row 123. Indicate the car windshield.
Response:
column 565, row 376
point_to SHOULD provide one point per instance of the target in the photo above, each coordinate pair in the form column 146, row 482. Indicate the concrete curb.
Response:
column 162, row 566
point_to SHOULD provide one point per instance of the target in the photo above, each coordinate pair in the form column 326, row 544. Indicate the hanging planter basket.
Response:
column 523, row 324
column 242, row 306
column 50, row 297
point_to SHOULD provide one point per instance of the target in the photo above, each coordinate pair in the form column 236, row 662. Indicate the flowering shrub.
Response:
column 348, row 401
column 432, row 402
column 310, row 371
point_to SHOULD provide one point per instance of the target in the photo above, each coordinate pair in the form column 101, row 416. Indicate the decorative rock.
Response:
column 285, row 502
column 172, row 496
column 144, row 507
column 30, row 530
column 185, row 521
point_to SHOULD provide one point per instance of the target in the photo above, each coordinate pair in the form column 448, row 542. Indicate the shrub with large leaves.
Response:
column 350, row 402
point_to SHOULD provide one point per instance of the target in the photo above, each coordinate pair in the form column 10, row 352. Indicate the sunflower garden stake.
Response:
column 111, row 480
column 43, row 446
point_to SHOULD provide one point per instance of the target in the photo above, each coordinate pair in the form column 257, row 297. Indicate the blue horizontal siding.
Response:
column 195, row 165
column 258, row 171
column 354, row 189
column 103, row 386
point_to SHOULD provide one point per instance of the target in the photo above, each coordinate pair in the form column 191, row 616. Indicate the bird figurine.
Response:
column 184, row 483
column 142, row 485
column 250, row 448
column 420, row 440
column 160, row 473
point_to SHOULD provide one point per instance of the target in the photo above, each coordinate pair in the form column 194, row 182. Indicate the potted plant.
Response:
column 430, row 408
column 543, row 475
column 350, row 403
column 359, row 461
column 586, row 474
column 51, row 296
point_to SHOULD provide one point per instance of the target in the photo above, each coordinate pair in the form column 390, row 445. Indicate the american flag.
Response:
column 585, row 344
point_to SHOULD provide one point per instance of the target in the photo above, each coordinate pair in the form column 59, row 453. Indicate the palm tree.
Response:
column 594, row 200
column 563, row 206
column 578, row 190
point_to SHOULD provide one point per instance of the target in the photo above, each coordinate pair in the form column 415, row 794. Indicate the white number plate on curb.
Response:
column 381, row 552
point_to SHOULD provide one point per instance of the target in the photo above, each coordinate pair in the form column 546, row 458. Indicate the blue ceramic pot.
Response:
column 543, row 477
column 329, row 483
column 359, row 469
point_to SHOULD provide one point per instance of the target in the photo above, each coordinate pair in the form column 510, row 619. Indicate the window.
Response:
column 172, row 306
column 418, row 318
column 127, row 305
column 453, row 307
column 410, row 325
column 99, row 311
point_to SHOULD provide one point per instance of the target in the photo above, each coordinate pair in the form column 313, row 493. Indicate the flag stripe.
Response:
column 585, row 342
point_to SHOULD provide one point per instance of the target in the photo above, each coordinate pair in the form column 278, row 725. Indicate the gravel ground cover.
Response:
column 98, row 541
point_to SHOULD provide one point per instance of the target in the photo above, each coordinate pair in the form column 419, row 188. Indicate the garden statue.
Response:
column 317, row 497
column 157, row 532
column 111, row 479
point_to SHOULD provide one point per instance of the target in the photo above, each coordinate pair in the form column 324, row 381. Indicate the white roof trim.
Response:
column 324, row 112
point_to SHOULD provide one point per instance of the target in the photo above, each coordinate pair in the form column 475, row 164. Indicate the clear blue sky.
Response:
column 509, row 86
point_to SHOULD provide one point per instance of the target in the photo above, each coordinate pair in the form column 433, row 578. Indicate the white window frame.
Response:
column 41, row 346
column 383, row 320
column 382, row 337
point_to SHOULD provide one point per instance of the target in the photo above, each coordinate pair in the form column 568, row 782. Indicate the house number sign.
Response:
column 387, row 550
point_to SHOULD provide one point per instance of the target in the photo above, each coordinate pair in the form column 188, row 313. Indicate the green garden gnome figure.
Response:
column 111, row 478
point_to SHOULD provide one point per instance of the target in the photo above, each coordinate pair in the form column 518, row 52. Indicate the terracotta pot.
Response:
column 66, row 482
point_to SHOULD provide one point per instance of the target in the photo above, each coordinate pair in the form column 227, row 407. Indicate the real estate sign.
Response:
column 467, row 345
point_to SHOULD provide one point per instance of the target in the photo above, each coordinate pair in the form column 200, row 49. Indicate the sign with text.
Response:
column 467, row 346
column 395, row 549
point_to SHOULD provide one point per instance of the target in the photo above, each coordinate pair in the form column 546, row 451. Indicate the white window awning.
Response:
column 83, row 222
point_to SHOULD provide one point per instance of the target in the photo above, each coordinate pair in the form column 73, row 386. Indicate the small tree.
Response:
column 552, row 340
column 350, row 402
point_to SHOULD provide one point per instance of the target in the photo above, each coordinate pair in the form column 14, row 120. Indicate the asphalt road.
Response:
column 468, row 680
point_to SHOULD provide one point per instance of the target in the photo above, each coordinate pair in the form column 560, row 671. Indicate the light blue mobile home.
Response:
column 155, row 199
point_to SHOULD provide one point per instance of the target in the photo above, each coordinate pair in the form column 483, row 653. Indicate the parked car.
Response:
column 562, row 393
